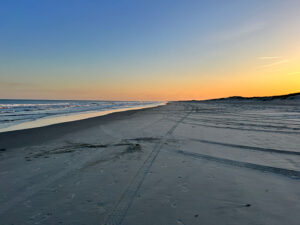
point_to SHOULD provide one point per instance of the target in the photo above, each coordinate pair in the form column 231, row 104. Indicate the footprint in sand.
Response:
column 183, row 187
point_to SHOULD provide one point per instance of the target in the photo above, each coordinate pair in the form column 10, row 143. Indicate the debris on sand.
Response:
column 133, row 148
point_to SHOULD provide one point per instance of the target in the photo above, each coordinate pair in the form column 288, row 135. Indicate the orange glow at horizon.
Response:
column 195, row 51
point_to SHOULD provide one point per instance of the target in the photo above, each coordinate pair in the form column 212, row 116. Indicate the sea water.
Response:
column 15, row 112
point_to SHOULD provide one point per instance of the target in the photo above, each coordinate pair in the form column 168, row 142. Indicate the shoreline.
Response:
column 22, row 137
column 56, row 119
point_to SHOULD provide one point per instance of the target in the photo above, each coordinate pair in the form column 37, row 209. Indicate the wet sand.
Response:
column 183, row 163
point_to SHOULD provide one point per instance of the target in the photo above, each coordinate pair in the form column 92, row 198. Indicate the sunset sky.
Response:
column 148, row 50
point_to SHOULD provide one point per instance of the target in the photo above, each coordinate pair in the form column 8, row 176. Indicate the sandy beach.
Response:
column 185, row 163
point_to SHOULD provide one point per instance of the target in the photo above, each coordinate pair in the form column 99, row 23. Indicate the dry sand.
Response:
column 180, row 164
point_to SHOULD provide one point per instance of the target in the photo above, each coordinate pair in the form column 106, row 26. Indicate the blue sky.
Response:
column 98, row 49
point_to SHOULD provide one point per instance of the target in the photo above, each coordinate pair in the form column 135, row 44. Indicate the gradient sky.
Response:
column 148, row 50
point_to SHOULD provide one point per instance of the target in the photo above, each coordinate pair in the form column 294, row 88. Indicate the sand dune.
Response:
column 288, row 97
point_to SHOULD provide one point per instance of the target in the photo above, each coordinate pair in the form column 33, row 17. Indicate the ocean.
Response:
column 16, row 111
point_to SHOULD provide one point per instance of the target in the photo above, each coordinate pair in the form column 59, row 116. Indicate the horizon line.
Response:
column 105, row 100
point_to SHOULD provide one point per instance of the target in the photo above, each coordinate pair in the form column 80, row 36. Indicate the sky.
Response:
column 148, row 50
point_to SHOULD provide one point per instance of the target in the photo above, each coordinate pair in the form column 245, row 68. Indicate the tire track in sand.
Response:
column 119, row 211
column 294, row 174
